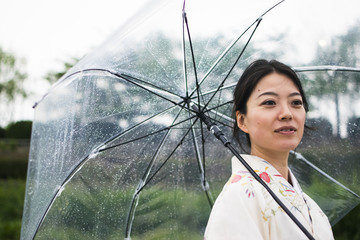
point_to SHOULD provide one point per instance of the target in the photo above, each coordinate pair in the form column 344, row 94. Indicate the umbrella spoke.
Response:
column 145, row 136
column 326, row 68
column 181, row 141
column 151, row 88
column 218, row 102
column 217, row 113
column 143, row 181
column 165, row 91
column 132, row 128
column 299, row 156
column 93, row 153
column 173, row 126
column 146, row 85
column 236, row 61
column 184, row 54
column 231, row 85
column 232, row 44
column 298, row 69
column 185, row 20
column 201, row 163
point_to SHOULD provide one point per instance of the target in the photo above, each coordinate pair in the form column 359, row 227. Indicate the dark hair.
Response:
column 248, row 81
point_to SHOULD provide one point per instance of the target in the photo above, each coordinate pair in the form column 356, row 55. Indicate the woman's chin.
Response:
column 287, row 147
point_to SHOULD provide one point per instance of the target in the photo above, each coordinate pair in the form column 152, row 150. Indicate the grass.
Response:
column 12, row 193
column 13, row 162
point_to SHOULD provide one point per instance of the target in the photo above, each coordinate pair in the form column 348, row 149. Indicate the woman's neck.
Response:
column 279, row 160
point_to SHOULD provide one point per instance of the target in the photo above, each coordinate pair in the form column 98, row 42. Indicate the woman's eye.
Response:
column 297, row 103
column 269, row 103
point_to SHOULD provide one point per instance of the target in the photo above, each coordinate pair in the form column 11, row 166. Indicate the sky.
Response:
column 47, row 33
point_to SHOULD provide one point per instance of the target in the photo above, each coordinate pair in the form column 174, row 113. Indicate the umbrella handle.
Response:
column 214, row 129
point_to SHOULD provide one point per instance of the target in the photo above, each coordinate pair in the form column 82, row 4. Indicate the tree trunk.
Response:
column 337, row 109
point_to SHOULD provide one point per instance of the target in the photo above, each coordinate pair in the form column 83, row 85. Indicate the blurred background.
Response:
column 39, row 42
column 35, row 51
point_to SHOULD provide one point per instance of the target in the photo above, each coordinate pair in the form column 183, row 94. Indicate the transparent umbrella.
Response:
column 116, row 151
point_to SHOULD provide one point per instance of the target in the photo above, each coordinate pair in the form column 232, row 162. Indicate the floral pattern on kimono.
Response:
column 245, row 210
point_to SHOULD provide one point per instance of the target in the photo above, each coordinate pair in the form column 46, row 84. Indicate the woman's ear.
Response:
column 240, row 120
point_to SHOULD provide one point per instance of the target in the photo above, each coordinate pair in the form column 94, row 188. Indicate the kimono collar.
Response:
column 265, row 170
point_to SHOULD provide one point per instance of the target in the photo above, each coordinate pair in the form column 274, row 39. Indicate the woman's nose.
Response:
column 285, row 113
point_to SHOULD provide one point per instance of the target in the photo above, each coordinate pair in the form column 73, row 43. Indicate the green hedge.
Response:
column 18, row 130
column 2, row 132
column 12, row 194
column 14, row 154
column 13, row 168
column 348, row 227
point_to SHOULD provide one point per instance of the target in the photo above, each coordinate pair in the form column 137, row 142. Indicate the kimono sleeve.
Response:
column 238, row 214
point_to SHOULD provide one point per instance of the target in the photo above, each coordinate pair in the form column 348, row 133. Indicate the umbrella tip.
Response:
column 184, row 5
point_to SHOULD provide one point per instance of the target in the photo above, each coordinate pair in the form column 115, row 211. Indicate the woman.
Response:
column 270, row 108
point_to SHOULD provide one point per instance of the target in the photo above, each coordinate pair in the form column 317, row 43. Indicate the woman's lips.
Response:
column 286, row 130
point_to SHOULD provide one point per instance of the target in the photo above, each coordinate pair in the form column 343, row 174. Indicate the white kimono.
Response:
column 245, row 210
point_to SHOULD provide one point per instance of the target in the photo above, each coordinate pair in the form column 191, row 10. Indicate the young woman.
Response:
column 270, row 108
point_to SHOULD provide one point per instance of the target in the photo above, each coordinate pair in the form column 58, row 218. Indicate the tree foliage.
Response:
column 344, row 51
column 11, row 76
column 53, row 76
column 20, row 130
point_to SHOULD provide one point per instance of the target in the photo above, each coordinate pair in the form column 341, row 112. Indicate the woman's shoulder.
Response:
column 244, row 185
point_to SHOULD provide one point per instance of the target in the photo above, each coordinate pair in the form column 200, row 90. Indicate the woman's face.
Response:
column 275, row 115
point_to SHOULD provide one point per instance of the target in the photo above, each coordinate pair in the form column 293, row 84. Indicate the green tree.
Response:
column 11, row 76
column 20, row 129
column 344, row 51
column 53, row 76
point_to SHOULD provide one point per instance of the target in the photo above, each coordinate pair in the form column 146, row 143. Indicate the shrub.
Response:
column 2, row 132
column 11, row 201
column 19, row 130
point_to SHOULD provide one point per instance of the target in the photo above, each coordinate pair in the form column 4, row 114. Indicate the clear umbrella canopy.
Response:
column 116, row 152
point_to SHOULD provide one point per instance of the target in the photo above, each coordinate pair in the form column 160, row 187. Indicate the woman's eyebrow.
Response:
column 294, row 94
column 268, row 93
column 276, row 95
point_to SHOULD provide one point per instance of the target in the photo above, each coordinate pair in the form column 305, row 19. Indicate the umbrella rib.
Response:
column 218, row 102
column 150, row 84
column 59, row 190
column 101, row 148
column 201, row 163
column 130, row 129
column 220, row 114
column 180, row 143
column 93, row 153
column 170, row 155
column 184, row 54
column 123, row 132
column 126, row 77
column 302, row 158
column 299, row 69
column 144, row 136
column 217, row 61
column 56, row 85
column 233, row 66
column 130, row 80
column 192, row 57
column 326, row 68
column 221, row 88
column 136, row 195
